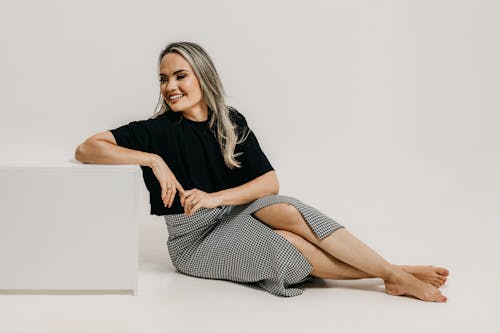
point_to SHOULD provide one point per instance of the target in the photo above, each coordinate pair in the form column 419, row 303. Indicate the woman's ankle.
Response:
column 393, row 273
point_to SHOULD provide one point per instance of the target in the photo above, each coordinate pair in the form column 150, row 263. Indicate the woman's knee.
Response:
column 280, row 216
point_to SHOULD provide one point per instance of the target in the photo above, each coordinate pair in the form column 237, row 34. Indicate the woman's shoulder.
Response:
column 241, row 125
column 237, row 117
column 154, row 126
column 160, row 121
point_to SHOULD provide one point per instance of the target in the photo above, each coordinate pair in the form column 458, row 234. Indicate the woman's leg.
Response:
column 347, row 248
column 326, row 266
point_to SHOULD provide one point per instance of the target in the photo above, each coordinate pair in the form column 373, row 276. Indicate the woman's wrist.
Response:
column 153, row 159
column 219, row 198
column 231, row 196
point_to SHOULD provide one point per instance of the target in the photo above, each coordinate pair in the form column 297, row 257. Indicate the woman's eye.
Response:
column 164, row 79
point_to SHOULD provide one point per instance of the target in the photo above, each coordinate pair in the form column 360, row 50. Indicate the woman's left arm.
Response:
column 261, row 186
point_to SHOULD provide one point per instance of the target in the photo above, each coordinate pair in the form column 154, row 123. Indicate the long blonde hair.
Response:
column 213, row 92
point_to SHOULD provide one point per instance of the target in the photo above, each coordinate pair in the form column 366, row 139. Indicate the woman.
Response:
column 218, row 192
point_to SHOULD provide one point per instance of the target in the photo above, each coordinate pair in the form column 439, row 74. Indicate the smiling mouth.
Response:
column 175, row 98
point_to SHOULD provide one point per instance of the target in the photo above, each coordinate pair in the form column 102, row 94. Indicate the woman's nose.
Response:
column 171, row 86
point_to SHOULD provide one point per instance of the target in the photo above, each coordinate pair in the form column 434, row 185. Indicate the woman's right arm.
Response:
column 101, row 148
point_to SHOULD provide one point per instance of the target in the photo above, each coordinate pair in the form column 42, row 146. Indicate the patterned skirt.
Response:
column 229, row 243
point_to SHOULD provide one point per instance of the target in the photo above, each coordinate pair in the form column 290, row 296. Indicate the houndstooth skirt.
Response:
column 228, row 243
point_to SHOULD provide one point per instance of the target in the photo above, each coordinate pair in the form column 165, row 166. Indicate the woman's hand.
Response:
column 166, row 178
column 194, row 199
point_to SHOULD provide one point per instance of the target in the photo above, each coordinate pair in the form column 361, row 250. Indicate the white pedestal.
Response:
column 67, row 226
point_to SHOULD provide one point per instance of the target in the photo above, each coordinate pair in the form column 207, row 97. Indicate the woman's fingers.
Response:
column 164, row 196
column 184, row 196
column 181, row 191
column 168, row 195
column 168, row 182
column 171, row 194
column 194, row 208
column 172, row 190
column 164, row 189
column 187, row 202
column 179, row 186
column 194, row 204
column 168, row 192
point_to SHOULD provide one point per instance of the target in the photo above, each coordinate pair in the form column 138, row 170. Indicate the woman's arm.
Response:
column 254, row 189
column 101, row 148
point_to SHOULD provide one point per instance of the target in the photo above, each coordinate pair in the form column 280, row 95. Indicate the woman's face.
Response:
column 178, row 79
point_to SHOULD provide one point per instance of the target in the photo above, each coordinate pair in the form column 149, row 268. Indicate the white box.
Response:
column 65, row 225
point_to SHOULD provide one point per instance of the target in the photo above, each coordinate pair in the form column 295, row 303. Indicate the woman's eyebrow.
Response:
column 177, row 71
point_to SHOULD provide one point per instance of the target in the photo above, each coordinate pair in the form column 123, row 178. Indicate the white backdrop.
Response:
column 382, row 114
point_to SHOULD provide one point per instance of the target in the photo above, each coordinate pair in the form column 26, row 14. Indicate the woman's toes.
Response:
column 443, row 271
column 438, row 297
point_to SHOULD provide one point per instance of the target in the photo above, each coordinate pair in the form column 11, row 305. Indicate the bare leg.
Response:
column 346, row 247
column 324, row 265
column 328, row 267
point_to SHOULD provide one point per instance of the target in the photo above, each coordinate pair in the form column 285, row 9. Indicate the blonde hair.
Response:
column 213, row 92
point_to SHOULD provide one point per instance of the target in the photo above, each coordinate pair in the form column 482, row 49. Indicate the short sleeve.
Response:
column 253, row 160
column 135, row 135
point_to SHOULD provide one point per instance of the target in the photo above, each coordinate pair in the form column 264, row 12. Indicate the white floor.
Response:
column 171, row 302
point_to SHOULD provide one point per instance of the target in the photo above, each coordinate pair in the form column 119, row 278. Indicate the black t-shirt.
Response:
column 193, row 154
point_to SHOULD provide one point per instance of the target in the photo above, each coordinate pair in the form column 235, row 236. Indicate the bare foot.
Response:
column 403, row 283
column 430, row 274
